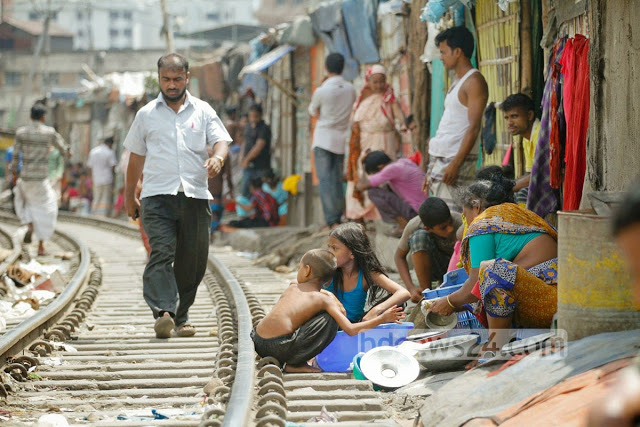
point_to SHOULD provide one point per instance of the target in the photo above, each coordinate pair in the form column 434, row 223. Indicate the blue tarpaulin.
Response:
column 329, row 26
column 266, row 60
column 360, row 21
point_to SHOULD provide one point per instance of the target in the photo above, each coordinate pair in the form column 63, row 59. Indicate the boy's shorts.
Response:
column 303, row 344
column 422, row 240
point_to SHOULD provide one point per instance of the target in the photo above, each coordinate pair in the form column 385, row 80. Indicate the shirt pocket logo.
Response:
column 195, row 139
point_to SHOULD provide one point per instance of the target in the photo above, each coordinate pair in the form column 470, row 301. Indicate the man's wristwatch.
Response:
column 221, row 160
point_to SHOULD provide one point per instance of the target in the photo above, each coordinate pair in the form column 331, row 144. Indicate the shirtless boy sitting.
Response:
column 306, row 319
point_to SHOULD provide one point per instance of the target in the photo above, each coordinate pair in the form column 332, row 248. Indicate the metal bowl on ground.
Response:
column 389, row 367
column 442, row 323
column 447, row 354
column 528, row 345
column 426, row 337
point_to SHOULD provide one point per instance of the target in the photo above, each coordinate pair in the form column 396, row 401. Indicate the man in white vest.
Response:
column 453, row 151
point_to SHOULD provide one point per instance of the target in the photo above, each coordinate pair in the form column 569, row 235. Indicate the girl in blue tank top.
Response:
column 360, row 272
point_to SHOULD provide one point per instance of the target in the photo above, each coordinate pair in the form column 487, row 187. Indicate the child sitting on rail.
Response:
column 306, row 319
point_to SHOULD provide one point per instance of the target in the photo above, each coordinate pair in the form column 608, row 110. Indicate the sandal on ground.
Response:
column 185, row 330
column 163, row 327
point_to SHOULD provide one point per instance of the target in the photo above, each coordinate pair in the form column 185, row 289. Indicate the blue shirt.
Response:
column 8, row 157
column 353, row 300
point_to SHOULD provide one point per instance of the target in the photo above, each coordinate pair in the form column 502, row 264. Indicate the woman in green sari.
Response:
column 510, row 254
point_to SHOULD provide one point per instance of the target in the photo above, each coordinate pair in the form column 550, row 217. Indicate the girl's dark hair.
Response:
column 487, row 193
column 353, row 236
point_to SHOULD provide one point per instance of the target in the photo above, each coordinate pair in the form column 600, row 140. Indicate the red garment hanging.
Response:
column 555, row 143
column 575, row 69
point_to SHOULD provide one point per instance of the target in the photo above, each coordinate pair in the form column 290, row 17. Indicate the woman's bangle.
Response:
column 452, row 306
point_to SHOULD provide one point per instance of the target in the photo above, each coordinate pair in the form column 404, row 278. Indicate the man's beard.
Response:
column 173, row 98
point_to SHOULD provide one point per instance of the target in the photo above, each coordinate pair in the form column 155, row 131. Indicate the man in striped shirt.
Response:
column 36, row 201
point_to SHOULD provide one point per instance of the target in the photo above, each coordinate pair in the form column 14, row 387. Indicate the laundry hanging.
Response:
column 575, row 68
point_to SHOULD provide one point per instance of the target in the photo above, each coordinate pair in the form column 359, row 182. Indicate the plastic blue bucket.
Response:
column 338, row 355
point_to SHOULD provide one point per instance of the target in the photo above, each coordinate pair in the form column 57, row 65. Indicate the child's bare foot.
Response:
column 301, row 369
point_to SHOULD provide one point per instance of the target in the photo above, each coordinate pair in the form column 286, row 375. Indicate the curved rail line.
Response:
column 16, row 339
column 249, row 390
column 236, row 360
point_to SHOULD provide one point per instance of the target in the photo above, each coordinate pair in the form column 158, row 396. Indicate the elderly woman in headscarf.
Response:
column 375, row 114
column 510, row 254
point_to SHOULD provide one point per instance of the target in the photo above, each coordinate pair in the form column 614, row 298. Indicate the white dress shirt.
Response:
column 334, row 100
column 175, row 146
column 102, row 159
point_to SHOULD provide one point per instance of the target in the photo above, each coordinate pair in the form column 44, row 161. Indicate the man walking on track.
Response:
column 101, row 162
column 36, row 202
column 168, row 141
column 453, row 150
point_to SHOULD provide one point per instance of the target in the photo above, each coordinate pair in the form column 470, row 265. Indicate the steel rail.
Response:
column 239, row 406
column 238, row 409
column 18, row 337
column 17, row 250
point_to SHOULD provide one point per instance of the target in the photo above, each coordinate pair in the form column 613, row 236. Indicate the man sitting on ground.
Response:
column 306, row 319
column 519, row 113
column 264, row 205
column 429, row 238
column 400, row 202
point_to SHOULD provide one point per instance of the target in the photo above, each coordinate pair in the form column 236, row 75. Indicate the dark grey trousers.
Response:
column 178, row 230
column 390, row 205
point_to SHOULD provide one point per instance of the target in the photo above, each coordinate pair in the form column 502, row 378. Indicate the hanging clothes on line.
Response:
column 360, row 22
column 557, row 134
column 542, row 198
column 328, row 25
column 575, row 68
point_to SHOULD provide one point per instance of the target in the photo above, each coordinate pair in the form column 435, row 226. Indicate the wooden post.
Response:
column 166, row 26
column 526, row 52
column 421, row 88
column 526, row 72
column 35, row 62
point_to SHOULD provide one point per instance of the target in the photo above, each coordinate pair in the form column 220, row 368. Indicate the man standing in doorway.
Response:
column 168, row 141
column 331, row 104
column 520, row 115
column 256, row 157
column 101, row 162
column 36, row 202
column 453, row 150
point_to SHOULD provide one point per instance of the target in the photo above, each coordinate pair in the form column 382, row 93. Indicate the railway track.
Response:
column 105, row 367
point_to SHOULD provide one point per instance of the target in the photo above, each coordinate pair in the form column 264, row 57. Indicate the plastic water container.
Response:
column 453, row 278
column 357, row 373
column 338, row 355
